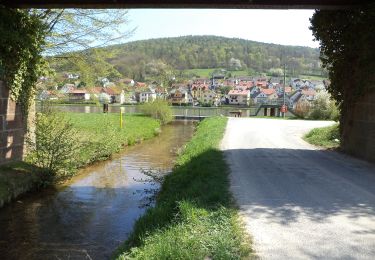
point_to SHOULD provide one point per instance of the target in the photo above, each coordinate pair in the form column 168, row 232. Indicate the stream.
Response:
column 89, row 216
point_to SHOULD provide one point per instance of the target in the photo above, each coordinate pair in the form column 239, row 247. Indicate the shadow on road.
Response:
column 282, row 184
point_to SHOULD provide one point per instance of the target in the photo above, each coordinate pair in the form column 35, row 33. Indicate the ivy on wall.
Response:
column 21, row 63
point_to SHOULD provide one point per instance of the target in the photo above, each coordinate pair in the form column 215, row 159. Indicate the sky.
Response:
column 287, row 27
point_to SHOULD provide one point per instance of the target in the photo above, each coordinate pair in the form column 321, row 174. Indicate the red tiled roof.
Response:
column 238, row 92
column 247, row 84
column 77, row 91
column 261, row 83
column 95, row 90
column 112, row 91
column 199, row 86
column 268, row 91
column 140, row 84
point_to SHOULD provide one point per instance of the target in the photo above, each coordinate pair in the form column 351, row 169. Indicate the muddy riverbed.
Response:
column 89, row 216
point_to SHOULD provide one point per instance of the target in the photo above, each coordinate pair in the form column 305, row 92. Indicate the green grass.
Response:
column 17, row 178
column 194, row 216
column 101, row 136
column 312, row 77
column 326, row 136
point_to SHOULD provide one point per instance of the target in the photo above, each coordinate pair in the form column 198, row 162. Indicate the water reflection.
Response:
column 93, row 213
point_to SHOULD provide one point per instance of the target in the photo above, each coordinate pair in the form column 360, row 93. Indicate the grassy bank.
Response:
column 101, row 135
column 326, row 136
column 17, row 178
column 194, row 216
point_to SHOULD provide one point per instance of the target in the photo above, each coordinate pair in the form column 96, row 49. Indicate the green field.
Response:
column 310, row 77
column 101, row 135
column 194, row 216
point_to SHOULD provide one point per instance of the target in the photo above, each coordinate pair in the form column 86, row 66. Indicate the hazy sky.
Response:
column 290, row 27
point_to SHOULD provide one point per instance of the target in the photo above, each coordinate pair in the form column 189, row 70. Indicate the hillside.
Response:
column 140, row 58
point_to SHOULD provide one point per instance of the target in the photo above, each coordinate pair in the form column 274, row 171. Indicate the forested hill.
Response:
column 189, row 52
column 149, row 58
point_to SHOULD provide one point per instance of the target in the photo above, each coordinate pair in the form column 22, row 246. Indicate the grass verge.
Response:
column 327, row 137
column 194, row 216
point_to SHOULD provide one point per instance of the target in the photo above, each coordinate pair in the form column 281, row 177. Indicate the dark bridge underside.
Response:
column 246, row 4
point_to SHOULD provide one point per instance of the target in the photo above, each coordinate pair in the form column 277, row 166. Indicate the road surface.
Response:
column 297, row 201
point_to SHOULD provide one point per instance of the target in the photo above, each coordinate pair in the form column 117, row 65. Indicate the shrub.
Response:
column 158, row 109
column 302, row 109
column 323, row 107
column 55, row 146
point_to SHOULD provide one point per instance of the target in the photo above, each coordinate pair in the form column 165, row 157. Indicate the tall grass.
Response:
column 194, row 216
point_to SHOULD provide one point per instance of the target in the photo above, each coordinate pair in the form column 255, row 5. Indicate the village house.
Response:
column 180, row 96
column 259, row 97
column 112, row 95
column 144, row 95
column 210, row 97
column 140, row 84
column 270, row 93
column 78, row 95
column 197, row 90
column 245, row 84
column 161, row 92
column 239, row 97
column 280, row 90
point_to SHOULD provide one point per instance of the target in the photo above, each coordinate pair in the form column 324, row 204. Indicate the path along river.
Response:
column 89, row 216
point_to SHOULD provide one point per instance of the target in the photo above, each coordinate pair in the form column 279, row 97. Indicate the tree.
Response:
column 72, row 30
column 347, row 52
column 77, row 34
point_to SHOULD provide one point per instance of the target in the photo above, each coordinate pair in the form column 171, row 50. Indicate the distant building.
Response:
column 239, row 97
column 145, row 95
column 180, row 97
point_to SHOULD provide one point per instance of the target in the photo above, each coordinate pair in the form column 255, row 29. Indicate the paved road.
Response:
column 299, row 202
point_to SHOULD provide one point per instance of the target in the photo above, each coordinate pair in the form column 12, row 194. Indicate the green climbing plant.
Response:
column 21, row 43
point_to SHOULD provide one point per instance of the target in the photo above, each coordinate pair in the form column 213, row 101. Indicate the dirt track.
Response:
column 299, row 202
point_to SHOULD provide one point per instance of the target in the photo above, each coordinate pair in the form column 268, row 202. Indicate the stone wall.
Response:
column 358, row 132
column 12, row 128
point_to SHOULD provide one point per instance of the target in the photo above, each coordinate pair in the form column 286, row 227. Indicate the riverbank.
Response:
column 100, row 136
column 194, row 216
column 17, row 178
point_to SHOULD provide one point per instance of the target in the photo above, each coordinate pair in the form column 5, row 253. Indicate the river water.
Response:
column 89, row 216
column 177, row 111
